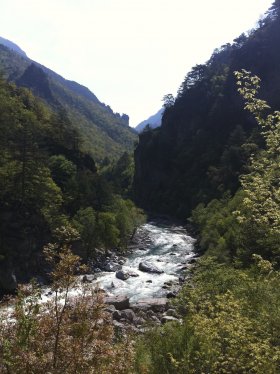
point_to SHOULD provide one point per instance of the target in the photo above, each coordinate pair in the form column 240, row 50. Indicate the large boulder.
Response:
column 117, row 315
column 112, row 267
column 128, row 315
column 122, row 275
column 119, row 302
column 88, row 278
column 147, row 267
column 154, row 304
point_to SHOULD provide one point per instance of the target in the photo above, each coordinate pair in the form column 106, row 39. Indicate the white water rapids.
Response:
column 169, row 248
column 166, row 246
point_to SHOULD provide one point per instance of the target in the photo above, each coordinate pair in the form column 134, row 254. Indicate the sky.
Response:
column 129, row 53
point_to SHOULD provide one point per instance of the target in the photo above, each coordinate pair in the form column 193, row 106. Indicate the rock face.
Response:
column 149, row 268
column 119, row 302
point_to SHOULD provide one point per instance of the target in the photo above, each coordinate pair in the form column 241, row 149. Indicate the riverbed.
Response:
column 165, row 246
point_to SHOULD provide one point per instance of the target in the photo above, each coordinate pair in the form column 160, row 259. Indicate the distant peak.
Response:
column 7, row 43
column 153, row 121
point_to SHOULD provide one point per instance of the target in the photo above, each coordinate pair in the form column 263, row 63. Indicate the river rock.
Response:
column 168, row 283
column 119, row 302
column 133, row 274
column 112, row 267
column 171, row 313
column 88, row 278
column 169, row 319
column 139, row 321
column 119, row 327
column 155, row 304
column 182, row 279
column 122, row 275
column 184, row 267
column 116, row 315
column 193, row 260
column 128, row 314
column 110, row 309
column 155, row 320
column 171, row 295
column 149, row 268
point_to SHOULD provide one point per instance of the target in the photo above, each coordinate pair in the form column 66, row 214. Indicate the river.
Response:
column 166, row 246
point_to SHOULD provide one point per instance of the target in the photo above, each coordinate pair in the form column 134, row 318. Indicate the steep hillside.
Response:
column 206, row 137
column 104, row 133
column 12, row 46
column 153, row 121
column 49, row 185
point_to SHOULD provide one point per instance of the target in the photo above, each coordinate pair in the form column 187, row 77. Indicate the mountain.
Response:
column 103, row 133
column 153, row 121
column 7, row 43
column 206, row 137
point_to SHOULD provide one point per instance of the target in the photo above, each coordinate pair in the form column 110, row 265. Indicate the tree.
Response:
column 168, row 101
column 85, row 222
column 260, row 211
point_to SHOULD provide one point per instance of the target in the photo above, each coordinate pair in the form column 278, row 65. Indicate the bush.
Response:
column 65, row 334
column 231, row 324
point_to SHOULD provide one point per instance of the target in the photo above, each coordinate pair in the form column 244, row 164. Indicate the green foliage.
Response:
column 85, row 222
column 64, row 334
column 231, row 324
column 109, row 229
column 259, row 213
column 128, row 218
column 47, row 181
column 168, row 101
column 120, row 174
column 248, row 222
column 231, row 315
column 219, row 229
column 206, row 137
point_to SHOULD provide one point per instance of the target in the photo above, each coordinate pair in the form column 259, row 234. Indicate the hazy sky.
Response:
column 130, row 53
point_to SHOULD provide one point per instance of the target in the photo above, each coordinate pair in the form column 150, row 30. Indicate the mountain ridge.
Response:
column 104, row 133
column 153, row 121
column 11, row 45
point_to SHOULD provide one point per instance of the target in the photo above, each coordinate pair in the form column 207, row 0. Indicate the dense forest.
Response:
column 47, row 182
column 214, row 162
column 104, row 133
column 206, row 137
